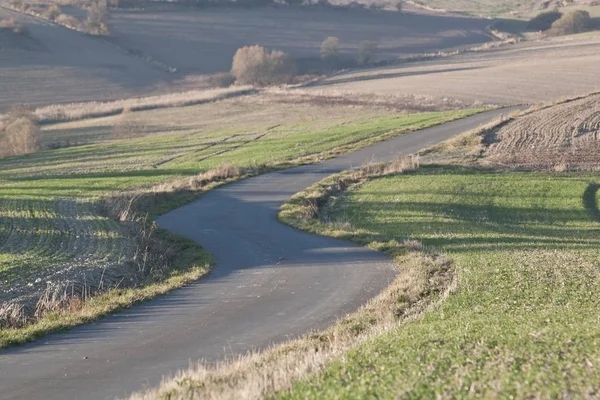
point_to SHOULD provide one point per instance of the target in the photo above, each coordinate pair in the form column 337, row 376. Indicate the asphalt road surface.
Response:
column 270, row 283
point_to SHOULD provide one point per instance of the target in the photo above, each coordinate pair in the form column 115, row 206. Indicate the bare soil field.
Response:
column 53, row 64
column 204, row 41
column 533, row 72
column 564, row 136
column 56, row 65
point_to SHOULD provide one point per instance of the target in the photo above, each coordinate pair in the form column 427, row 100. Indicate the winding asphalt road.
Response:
column 270, row 283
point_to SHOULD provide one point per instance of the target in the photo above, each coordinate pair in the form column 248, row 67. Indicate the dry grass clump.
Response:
column 95, row 109
column 20, row 132
column 255, row 65
column 426, row 278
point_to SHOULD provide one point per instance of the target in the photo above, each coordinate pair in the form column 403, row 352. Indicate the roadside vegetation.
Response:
column 77, row 222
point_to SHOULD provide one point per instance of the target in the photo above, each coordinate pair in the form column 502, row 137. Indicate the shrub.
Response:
column 68, row 21
column 366, row 52
column 255, row 65
column 21, row 132
column 543, row 21
column 97, row 18
column 221, row 80
column 52, row 12
column 571, row 23
column 330, row 49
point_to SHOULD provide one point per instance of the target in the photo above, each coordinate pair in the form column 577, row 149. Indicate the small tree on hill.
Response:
column 571, row 23
column 366, row 52
column 52, row 12
column 97, row 18
column 330, row 49
column 21, row 132
column 255, row 65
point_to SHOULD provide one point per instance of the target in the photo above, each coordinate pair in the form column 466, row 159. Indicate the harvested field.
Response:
column 532, row 73
column 56, row 246
column 565, row 136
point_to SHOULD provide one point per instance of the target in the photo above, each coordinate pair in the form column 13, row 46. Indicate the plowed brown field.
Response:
column 531, row 72
column 566, row 135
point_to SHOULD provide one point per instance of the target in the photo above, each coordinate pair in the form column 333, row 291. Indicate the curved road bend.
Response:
column 270, row 283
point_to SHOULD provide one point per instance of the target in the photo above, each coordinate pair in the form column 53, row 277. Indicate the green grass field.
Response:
column 49, row 217
column 524, row 321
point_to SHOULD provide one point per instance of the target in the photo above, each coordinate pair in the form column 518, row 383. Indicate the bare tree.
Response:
column 97, row 18
column 21, row 132
column 330, row 49
column 366, row 52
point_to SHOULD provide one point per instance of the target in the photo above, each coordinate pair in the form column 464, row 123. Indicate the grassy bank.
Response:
column 52, row 229
column 523, row 322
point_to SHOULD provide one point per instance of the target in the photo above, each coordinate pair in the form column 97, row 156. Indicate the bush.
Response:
column 21, row 132
column 52, row 12
column 68, row 21
column 366, row 52
column 543, row 21
column 571, row 23
column 330, row 49
column 221, row 80
column 255, row 65
column 97, row 18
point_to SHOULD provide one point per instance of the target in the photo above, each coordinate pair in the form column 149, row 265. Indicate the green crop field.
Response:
column 50, row 225
column 524, row 321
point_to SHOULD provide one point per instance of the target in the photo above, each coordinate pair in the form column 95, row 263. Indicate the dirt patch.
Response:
column 524, row 73
column 564, row 136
